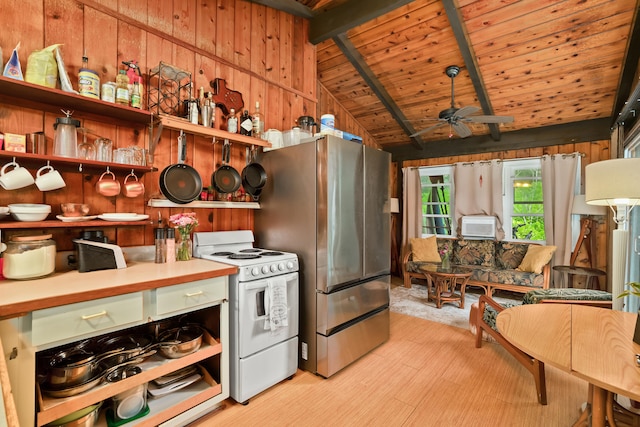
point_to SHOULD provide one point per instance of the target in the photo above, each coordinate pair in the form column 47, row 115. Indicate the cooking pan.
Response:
column 254, row 177
column 226, row 179
column 181, row 183
column 189, row 340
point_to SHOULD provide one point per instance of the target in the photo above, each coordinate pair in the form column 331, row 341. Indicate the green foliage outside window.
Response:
column 527, row 219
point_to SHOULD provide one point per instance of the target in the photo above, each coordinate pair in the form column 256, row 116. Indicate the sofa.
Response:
column 511, row 266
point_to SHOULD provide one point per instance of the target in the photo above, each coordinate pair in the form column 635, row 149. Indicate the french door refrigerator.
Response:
column 327, row 200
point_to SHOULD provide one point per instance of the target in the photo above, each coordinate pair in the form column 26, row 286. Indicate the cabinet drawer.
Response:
column 196, row 294
column 68, row 321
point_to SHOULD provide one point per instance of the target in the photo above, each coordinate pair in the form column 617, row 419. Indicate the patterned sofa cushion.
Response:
column 509, row 255
column 575, row 294
column 414, row 266
column 516, row 277
column 474, row 252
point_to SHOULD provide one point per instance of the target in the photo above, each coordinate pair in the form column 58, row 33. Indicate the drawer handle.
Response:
column 194, row 294
column 93, row 316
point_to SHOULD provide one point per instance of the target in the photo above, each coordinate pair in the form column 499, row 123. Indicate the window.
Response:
column 524, row 210
column 437, row 200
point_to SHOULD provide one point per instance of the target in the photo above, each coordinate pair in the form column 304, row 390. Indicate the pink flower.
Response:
column 185, row 222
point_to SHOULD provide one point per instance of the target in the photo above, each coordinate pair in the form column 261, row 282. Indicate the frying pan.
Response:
column 181, row 183
column 226, row 179
column 253, row 175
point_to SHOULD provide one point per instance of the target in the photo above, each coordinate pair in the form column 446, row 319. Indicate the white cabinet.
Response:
column 23, row 337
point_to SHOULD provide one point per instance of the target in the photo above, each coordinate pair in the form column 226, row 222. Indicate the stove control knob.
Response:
column 274, row 268
column 281, row 266
column 255, row 271
column 265, row 269
column 289, row 265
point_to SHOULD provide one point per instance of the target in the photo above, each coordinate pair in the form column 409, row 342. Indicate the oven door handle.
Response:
column 267, row 301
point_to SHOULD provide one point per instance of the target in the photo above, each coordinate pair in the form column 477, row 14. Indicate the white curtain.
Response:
column 558, row 188
column 411, row 205
column 479, row 191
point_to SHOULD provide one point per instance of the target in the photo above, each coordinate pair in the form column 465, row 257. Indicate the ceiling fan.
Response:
column 457, row 117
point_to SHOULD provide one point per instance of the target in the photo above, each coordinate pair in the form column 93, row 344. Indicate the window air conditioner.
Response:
column 479, row 226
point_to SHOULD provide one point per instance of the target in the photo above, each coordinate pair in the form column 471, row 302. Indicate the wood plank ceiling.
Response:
column 563, row 69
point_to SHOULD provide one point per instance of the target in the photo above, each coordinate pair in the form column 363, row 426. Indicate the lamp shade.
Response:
column 580, row 207
column 613, row 182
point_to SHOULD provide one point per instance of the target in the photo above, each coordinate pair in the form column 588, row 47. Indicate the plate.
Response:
column 123, row 217
column 76, row 218
column 119, row 215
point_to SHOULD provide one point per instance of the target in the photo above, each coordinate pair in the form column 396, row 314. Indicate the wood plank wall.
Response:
column 593, row 152
column 259, row 51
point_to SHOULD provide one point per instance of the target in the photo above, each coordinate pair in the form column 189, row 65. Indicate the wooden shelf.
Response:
column 43, row 98
column 200, row 204
column 72, row 164
column 178, row 123
column 156, row 366
column 21, row 225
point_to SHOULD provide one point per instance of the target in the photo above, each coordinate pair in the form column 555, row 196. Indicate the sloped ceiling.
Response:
column 563, row 69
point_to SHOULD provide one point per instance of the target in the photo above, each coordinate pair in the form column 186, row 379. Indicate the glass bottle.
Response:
column 232, row 122
column 258, row 122
column 122, row 88
column 160, row 246
column 246, row 124
column 171, row 245
column 136, row 101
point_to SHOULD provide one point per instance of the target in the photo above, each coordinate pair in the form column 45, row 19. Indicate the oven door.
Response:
column 260, row 324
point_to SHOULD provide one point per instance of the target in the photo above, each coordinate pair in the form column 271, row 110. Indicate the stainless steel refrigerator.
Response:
column 328, row 202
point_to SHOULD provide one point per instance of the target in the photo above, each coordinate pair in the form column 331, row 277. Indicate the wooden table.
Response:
column 594, row 344
column 442, row 283
column 591, row 274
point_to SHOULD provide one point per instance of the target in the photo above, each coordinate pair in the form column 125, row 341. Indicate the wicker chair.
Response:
column 483, row 318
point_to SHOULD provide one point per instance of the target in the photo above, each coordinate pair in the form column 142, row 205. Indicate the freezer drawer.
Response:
column 342, row 306
column 342, row 348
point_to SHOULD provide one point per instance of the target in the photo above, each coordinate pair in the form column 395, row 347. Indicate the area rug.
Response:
column 414, row 302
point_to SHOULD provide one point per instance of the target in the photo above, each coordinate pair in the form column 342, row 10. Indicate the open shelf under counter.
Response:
column 201, row 204
column 72, row 164
column 38, row 97
column 178, row 123
column 54, row 223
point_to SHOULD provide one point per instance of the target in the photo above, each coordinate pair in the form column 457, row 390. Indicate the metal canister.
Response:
column 109, row 92
column 89, row 83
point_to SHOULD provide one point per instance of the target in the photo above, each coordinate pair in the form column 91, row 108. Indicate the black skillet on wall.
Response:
column 254, row 177
column 181, row 183
column 226, row 179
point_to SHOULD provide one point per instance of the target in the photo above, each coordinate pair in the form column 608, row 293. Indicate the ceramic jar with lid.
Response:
column 29, row 257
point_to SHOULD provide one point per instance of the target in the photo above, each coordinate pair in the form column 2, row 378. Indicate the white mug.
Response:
column 51, row 180
column 19, row 177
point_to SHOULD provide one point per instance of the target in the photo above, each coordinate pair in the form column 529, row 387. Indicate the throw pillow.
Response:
column 537, row 256
column 425, row 250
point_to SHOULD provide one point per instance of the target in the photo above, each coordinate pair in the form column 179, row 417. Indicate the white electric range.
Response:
column 263, row 310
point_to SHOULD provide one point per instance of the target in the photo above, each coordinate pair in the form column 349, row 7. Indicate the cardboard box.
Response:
column 15, row 142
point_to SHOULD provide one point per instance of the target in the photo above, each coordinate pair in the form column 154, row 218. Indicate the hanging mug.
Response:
column 108, row 187
column 133, row 188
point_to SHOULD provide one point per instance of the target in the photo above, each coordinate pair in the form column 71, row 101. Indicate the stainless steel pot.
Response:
column 188, row 338
column 67, row 370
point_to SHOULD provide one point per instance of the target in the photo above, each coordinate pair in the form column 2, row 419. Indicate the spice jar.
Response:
column 29, row 257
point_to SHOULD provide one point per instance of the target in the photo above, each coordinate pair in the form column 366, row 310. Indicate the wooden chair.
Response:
column 533, row 365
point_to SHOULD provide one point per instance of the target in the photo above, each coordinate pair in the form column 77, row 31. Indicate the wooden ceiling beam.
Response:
column 289, row 6
column 348, row 15
column 354, row 57
column 569, row 133
column 469, row 56
column 622, row 107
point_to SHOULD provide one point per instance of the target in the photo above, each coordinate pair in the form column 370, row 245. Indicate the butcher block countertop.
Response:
column 19, row 297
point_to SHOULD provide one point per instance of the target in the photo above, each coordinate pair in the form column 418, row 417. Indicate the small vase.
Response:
column 446, row 263
column 184, row 248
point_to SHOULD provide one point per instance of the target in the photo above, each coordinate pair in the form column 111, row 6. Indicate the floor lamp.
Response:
column 615, row 183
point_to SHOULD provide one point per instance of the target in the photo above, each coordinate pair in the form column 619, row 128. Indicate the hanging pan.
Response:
column 226, row 179
column 181, row 183
column 254, row 177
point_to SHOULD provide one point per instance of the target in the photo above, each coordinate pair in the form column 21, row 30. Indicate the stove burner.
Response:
column 244, row 256
column 271, row 253
column 250, row 250
column 222, row 253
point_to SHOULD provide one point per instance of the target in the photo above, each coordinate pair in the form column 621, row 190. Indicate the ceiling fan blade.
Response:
column 489, row 119
column 461, row 129
column 465, row 111
column 428, row 129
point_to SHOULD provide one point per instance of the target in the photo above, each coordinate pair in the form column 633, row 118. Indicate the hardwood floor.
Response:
column 427, row 374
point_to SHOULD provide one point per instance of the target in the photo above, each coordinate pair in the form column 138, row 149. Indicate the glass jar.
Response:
column 29, row 257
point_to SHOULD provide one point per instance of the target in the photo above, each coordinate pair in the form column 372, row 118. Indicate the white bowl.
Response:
column 29, row 211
